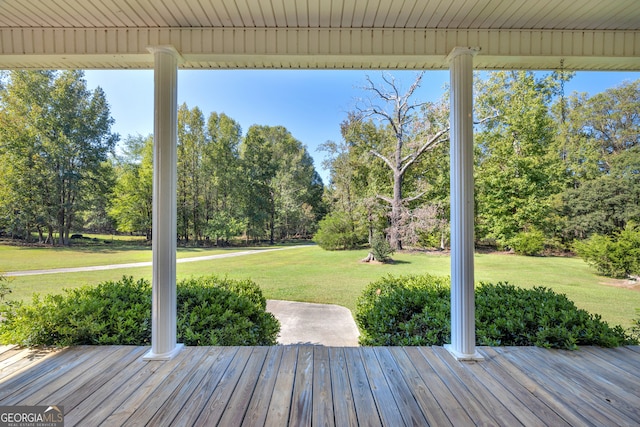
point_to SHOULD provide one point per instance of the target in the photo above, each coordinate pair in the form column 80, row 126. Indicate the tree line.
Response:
column 60, row 172
column 550, row 168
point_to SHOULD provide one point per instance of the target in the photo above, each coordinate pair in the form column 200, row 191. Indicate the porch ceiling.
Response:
column 587, row 34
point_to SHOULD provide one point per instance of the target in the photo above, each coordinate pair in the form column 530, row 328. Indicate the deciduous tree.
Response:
column 413, row 128
column 56, row 134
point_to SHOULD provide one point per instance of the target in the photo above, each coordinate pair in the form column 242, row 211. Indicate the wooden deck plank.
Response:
column 634, row 348
column 214, row 407
column 537, row 398
column 479, row 390
column 152, row 386
column 344, row 410
column 599, row 387
column 568, row 409
column 7, row 351
column 465, row 399
column 32, row 369
column 625, row 358
column 447, row 400
column 153, row 397
column 280, row 404
column 21, row 360
column 617, row 375
column 236, row 408
column 116, row 388
column 322, row 411
column 7, row 347
column 406, row 403
column 74, row 392
column 382, row 392
column 564, row 388
column 522, row 405
column 311, row 385
column 71, row 363
column 259, row 404
column 425, row 398
column 302, row 397
column 363, row 399
column 185, row 413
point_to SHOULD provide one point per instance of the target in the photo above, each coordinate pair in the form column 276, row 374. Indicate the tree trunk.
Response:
column 368, row 258
column 396, row 212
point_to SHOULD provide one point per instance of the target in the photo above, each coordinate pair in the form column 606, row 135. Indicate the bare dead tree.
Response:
column 413, row 136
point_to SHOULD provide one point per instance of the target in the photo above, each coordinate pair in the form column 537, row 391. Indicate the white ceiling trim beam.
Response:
column 317, row 48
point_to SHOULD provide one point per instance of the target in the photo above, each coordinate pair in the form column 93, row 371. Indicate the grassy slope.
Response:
column 313, row 275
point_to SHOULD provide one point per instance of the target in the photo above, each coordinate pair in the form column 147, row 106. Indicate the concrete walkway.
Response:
column 307, row 323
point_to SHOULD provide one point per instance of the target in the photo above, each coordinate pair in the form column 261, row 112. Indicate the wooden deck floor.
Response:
column 315, row 385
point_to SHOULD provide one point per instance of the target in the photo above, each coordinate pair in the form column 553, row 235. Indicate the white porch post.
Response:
column 164, row 305
column 463, row 334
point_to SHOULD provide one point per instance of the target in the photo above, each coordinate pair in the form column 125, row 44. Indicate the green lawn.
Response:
column 314, row 275
column 18, row 258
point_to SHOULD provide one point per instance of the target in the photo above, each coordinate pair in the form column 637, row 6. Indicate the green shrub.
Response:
column 380, row 248
column 110, row 313
column 509, row 315
column 337, row 231
column 635, row 327
column 415, row 310
column 617, row 256
column 528, row 243
column 211, row 311
column 409, row 310
column 4, row 287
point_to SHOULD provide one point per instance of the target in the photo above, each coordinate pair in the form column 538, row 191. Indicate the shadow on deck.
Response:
column 315, row 385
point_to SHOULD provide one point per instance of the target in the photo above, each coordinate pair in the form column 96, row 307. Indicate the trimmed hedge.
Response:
column 211, row 311
column 415, row 310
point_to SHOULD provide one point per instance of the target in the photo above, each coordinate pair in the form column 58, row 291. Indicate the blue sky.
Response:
column 311, row 104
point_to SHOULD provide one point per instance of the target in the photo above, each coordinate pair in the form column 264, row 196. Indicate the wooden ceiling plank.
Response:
column 37, row 15
column 324, row 13
column 421, row 14
column 193, row 14
column 454, row 17
column 384, row 10
column 302, row 13
column 507, row 11
column 403, row 15
column 348, row 13
column 149, row 9
column 476, row 15
column 437, row 14
column 491, row 12
column 62, row 13
column 209, row 13
column 336, row 13
column 13, row 15
column 249, row 13
column 172, row 13
column 626, row 13
column 369, row 13
column 282, row 14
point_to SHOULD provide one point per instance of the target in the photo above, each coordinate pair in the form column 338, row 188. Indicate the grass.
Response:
column 21, row 258
column 314, row 275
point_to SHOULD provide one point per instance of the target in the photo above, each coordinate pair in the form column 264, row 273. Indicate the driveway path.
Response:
column 143, row 264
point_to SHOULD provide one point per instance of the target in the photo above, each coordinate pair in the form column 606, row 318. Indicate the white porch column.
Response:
column 164, row 304
column 463, row 334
